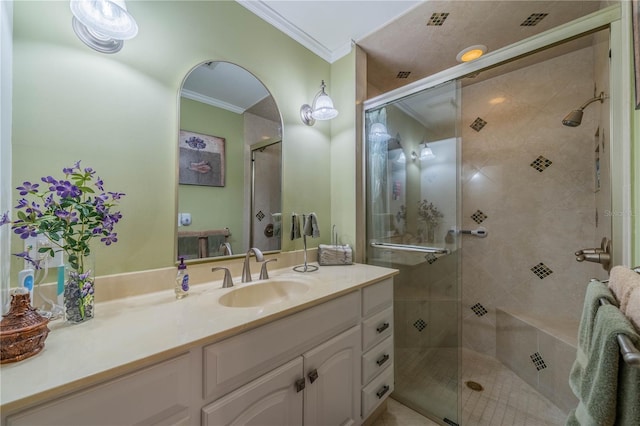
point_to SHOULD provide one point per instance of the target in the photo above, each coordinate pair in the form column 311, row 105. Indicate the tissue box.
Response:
column 334, row 255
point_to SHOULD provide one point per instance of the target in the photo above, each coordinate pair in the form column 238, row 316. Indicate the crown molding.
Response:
column 263, row 11
column 210, row 101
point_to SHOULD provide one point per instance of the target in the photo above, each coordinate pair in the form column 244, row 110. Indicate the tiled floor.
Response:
column 429, row 379
column 399, row 415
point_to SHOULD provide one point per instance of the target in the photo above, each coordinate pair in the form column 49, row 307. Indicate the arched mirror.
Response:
column 230, row 164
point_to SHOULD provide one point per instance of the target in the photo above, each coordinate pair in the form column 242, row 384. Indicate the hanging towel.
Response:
column 595, row 290
column 608, row 388
column 311, row 228
column 295, row 226
column 622, row 282
column 633, row 308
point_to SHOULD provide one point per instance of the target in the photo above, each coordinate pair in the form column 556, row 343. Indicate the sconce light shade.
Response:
column 320, row 109
column 426, row 153
column 103, row 25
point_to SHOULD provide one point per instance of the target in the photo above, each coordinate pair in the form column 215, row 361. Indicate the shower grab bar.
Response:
column 410, row 248
column 629, row 352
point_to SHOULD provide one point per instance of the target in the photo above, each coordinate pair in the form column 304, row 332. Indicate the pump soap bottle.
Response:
column 182, row 280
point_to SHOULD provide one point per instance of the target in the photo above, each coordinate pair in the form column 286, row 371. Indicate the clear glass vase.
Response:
column 79, row 288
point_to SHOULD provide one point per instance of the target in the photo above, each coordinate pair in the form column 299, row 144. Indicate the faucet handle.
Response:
column 264, row 274
column 228, row 281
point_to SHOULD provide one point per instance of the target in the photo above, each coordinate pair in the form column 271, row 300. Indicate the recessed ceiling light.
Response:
column 471, row 53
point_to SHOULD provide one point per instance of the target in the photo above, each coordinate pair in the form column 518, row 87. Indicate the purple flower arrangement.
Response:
column 71, row 212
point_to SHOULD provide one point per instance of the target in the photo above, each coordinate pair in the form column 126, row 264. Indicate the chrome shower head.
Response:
column 574, row 118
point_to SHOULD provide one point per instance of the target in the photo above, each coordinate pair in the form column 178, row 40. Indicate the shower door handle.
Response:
column 410, row 248
column 480, row 232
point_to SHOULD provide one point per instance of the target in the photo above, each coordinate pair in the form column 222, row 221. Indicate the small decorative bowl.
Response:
column 22, row 331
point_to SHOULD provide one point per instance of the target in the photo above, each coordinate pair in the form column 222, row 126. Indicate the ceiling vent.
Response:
column 533, row 19
column 437, row 19
column 403, row 74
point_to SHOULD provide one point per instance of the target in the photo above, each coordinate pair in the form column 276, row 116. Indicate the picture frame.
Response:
column 201, row 159
column 635, row 18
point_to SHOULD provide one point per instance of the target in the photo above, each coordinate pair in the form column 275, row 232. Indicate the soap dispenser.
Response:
column 182, row 280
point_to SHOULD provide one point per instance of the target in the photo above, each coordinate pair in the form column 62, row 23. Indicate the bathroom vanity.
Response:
column 319, row 355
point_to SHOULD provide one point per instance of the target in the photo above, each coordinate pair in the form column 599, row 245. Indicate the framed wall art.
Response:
column 202, row 159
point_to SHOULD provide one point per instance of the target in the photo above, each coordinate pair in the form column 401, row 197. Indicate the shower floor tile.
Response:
column 506, row 399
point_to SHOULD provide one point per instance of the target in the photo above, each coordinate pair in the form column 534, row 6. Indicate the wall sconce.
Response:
column 320, row 109
column 426, row 153
column 414, row 156
column 103, row 25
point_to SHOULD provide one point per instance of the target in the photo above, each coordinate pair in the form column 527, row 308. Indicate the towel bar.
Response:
column 629, row 352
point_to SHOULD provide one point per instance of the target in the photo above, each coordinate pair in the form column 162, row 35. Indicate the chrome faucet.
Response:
column 264, row 274
column 228, row 281
column 246, row 270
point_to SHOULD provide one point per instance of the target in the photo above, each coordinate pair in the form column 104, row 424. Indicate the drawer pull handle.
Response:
column 382, row 327
column 382, row 360
column 300, row 383
column 313, row 375
column 382, row 391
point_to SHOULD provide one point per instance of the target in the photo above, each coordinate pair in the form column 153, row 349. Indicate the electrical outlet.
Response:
column 34, row 244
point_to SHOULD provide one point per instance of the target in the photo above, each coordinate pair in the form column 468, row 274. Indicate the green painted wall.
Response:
column 215, row 207
column 118, row 113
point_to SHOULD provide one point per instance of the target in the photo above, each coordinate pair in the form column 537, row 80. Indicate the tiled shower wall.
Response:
column 530, row 181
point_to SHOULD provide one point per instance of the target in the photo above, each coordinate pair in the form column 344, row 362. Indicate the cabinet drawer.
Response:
column 377, row 328
column 376, row 391
column 239, row 359
column 155, row 395
column 377, row 359
column 377, row 297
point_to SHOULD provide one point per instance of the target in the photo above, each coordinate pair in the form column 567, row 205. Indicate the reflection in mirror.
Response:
column 229, row 177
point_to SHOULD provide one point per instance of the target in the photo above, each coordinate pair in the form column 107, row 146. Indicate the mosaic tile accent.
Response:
column 533, row 19
column 260, row 215
column 541, row 270
column 479, row 217
column 437, row 19
column 420, row 324
column 478, row 124
column 431, row 258
column 403, row 74
column 538, row 361
column 541, row 164
column 479, row 310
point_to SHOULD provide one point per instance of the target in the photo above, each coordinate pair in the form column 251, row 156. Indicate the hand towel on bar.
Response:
column 595, row 290
column 295, row 226
column 622, row 282
column 311, row 226
column 633, row 308
column 607, row 387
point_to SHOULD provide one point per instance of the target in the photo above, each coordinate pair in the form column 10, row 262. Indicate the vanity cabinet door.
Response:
column 274, row 399
column 332, row 371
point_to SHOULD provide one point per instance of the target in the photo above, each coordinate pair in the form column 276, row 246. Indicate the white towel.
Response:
column 622, row 282
column 311, row 228
column 334, row 255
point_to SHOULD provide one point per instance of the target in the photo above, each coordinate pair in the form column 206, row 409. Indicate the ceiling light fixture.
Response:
column 103, row 25
column 320, row 109
column 471, row 53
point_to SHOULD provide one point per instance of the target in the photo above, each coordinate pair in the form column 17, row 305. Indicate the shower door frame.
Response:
column 618, row 19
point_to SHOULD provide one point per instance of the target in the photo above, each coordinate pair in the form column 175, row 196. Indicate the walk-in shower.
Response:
column 485, row 328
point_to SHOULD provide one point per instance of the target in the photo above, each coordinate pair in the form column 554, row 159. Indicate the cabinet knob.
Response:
column 382, row 327
column 382, row 391
column 382, row 359
column 313, row 375
column 300, row 383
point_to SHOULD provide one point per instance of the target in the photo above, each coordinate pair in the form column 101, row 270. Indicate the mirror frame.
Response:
column 247, row 168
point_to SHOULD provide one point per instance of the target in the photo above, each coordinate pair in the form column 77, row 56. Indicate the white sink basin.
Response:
column 265, row 293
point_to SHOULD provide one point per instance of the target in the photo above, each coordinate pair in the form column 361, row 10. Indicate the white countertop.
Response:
column 133, row 332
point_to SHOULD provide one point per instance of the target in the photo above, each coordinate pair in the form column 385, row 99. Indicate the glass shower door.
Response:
column 412, row 149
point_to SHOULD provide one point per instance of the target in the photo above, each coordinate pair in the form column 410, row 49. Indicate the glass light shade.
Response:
column 323, row 108
column 426, row 153
column 471, row 53
column 105, row 19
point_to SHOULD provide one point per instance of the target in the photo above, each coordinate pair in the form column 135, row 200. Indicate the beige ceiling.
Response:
column 409, row 44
